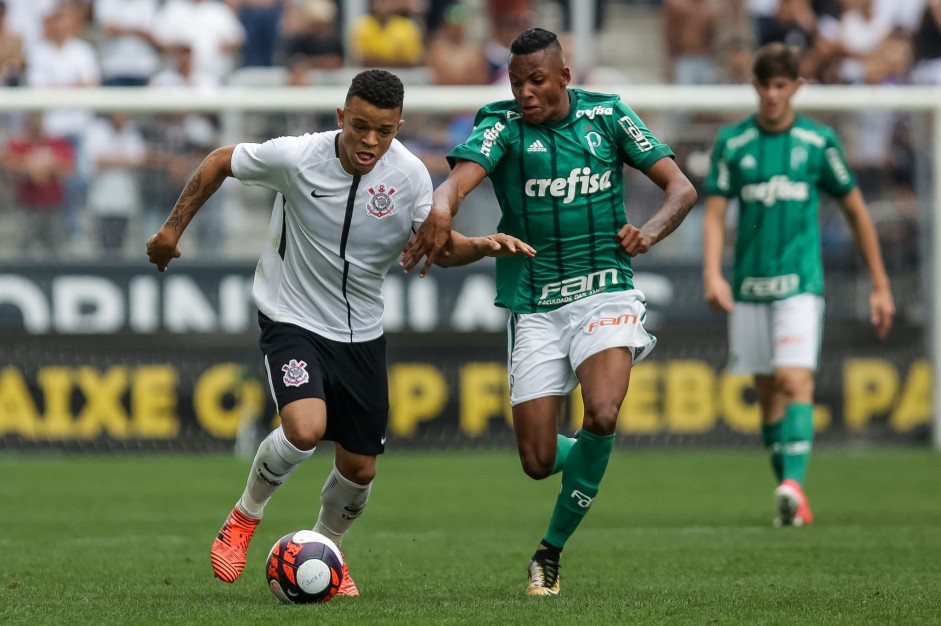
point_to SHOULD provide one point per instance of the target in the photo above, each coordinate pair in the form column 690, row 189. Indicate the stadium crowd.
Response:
column 98, row 182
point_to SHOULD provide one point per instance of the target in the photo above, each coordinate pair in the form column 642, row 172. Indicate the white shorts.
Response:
column 545, row 349
column 764, row 336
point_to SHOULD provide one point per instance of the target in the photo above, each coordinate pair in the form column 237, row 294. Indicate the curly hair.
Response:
column 534, row 40
column 379, row 88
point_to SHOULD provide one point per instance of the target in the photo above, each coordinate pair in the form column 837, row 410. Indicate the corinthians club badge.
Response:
column 380, row 204
column 295, row 373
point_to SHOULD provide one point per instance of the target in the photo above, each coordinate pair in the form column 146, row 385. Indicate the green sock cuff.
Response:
column 594, row 439
column 562, row 448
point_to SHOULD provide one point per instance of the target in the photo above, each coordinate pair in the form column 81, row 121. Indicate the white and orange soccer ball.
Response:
column 304, row 567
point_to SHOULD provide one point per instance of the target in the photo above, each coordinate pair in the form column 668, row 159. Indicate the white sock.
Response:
column 342, row 502
column 275, row 460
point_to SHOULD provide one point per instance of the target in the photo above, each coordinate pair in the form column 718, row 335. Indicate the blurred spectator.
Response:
column 689, row 35
column 927, row 70
column 317, row 45
column 904, row 15
column 208, row 27
column 565, row 7
column 385, row 37
column 128, row 53
column 452, row 58
column 116, row 150
column 12, row 61
column 849, row 40
column 435, row 12
column 261, row 20
column 61, row 59
column 39, row 164
column 181, row 72
column 735, row 59
column 25, row 18
column 507, row 20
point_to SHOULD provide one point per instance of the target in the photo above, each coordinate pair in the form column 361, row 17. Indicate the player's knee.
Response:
column 795, row 386
column 361, row 474
column 303, row 438
column 536, row 466
column 601, row 420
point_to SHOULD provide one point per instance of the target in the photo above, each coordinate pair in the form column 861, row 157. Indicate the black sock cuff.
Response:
column 545, row 550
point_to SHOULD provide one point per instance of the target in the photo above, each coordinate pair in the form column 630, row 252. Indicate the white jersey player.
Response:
column 347, row 202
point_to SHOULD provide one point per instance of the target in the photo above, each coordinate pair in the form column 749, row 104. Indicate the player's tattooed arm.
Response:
column 162, row 246
column 679, row 196
column 204, row 182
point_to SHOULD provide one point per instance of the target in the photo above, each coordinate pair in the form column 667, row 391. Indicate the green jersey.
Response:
column 776, row 177
column 560, row 187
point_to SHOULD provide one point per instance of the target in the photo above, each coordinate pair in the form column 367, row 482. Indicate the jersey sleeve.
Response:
column 638, row 145
column 422, row 189
column 487, row 143
column 836, row 177
column 271, row 164
column 718, row 182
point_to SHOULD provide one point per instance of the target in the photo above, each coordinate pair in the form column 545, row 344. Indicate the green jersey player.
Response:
column 774, row 163
column 555, row 156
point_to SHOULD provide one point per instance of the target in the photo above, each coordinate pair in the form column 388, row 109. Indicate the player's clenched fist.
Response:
column 161, row 249
column 633, row 241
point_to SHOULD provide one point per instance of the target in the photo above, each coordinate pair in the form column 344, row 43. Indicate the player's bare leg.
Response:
column 604, row 378
column 535, row 424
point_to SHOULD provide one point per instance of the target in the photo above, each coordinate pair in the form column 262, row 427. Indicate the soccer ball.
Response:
column 304, row 567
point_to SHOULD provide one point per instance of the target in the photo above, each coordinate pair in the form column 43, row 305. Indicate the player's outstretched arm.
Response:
column 431, row 240
column 464, row 250
column 881, row 303
column 716, row 289
column 162, row 246
column 679, row 196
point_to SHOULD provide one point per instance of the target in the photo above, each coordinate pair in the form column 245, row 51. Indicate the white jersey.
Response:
column 333, row 236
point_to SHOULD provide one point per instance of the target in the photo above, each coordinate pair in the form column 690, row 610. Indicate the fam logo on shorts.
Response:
column 295, row 373
column 608, row 322
column 380, row 204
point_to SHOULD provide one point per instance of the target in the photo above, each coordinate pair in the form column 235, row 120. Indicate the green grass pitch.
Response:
column 673, row 538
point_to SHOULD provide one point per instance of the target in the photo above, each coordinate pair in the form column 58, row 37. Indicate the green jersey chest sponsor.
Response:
column 777, row 189
column 580, row 181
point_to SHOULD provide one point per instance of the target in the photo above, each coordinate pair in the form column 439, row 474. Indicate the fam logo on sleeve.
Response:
column 380, row 203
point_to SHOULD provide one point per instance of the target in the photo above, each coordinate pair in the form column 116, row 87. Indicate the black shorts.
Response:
column 351, row 378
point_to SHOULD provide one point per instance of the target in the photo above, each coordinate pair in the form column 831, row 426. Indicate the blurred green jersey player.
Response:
column 555, row 156
column 775, row 163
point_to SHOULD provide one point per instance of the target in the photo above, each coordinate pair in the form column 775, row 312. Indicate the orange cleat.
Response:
column 347, row 587
column 231, row 546
column 791, row 503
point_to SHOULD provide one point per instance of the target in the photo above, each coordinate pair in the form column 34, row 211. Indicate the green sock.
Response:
column 581, row 476
column 798, row 440
column 562, row 448
column 773, row 437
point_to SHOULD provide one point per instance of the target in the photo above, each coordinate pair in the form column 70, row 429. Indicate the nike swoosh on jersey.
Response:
column 314, row 194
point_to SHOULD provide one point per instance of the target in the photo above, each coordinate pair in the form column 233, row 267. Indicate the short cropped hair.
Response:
column 776, row 60
column 379, row 88
column 534, row 40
